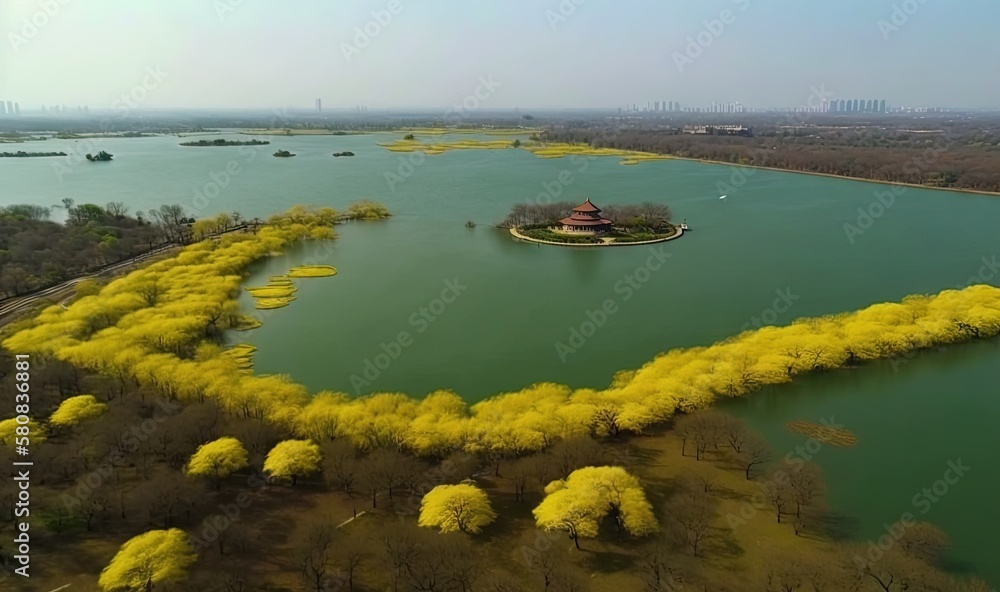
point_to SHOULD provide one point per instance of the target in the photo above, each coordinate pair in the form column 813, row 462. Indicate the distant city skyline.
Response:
column 553, row 54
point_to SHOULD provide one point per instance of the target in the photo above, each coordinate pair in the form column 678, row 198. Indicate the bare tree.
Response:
column 316, row 554
column 708, row 431
column 658, row 568
column 690, row 512
column 573, row 453
column 340, row 464
column 807, row 487
column 735, row 432
column 522, row 471
column 779, row 494
column 925, row 542
column 754, row 451
column 116, row 209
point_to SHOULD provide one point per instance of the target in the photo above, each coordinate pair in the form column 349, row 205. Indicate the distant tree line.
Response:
column 951, row 157
column 36, row 252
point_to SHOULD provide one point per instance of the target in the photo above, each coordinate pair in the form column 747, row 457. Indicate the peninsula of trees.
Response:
column 36, row 252
column 223, row 142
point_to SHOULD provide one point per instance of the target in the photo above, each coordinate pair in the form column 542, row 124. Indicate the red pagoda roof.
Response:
column 573, row 221
column 586, row 207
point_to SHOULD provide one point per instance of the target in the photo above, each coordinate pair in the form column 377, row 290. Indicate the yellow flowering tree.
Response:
column 456, row 508
column 76, row 409
column 218, row 459
column 578, row 503
column 152, row 558
column 292, row 459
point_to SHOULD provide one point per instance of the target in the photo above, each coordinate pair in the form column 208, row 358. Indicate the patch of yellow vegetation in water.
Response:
column 242, row 354
column 834, row 436
column 560, row 150
column 271, row 303
column 270, row 291
column 312, row 271
column 442, row 147
column 247, row 323
column 440, row 131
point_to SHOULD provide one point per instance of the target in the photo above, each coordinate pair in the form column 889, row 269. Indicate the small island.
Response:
column 101, row 156
column 339, row 154
column 223, row 142
column 23, row 154
column 589, row 225
column 283, row 154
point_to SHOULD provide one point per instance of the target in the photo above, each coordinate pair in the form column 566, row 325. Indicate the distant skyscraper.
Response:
column 319, row 105
column 10, row 107
column 881, row 106
column 3, row 111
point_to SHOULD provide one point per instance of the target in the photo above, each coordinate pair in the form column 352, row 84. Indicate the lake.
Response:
column 483, row 313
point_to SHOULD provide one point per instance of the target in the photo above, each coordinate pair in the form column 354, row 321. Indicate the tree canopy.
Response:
column 292, row 459
column 151, row 558
column 218, row 459
column 8, row 431
column 76, row 409
column 456, row 508
column 578, row 503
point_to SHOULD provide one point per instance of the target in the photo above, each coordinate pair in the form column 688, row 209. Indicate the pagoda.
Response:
column 586, row 218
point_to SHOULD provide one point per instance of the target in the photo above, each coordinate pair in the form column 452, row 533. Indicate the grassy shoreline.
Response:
column 832, row 176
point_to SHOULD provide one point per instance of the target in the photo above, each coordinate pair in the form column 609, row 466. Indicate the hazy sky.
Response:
column 538, row 53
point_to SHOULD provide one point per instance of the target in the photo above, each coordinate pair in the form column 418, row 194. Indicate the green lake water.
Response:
column 774, row 250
